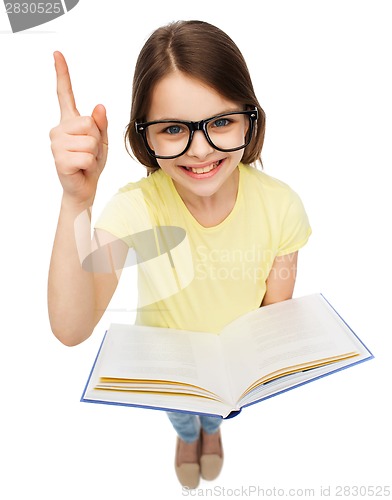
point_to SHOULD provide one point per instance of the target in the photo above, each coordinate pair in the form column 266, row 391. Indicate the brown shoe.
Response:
column 188, row 473
column 211, row 463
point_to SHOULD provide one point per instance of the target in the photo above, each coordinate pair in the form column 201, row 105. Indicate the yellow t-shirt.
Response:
column 195, row 278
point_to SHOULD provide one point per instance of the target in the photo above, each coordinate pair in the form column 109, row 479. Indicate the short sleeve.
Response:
column 125, row 214
column 295, row 230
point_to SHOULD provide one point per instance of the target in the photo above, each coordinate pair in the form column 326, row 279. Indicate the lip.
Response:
column 207, row 175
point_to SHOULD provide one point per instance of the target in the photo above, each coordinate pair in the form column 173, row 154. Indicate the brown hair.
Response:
column 201, row 51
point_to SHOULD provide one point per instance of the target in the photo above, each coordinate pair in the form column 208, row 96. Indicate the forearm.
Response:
column 71, row 291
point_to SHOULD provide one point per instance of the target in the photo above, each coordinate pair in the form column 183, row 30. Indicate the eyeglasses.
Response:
column 167, row 139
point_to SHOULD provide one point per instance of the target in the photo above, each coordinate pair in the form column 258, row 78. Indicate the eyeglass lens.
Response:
column 171, row 138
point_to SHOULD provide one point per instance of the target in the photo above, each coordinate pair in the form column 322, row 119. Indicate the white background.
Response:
column 321, row 70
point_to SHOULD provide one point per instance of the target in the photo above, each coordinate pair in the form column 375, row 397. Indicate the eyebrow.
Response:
column 207, row 118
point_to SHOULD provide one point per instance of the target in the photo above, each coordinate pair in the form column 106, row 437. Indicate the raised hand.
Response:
column 79, row 143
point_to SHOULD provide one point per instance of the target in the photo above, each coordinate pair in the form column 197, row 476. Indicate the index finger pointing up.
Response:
column 64, row 88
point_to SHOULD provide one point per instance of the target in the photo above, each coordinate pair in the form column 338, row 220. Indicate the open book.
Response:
column 261, row 354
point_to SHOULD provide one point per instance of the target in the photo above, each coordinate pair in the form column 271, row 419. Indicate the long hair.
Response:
column 201, row 51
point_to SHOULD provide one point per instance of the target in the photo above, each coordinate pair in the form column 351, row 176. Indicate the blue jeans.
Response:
column 187, row 425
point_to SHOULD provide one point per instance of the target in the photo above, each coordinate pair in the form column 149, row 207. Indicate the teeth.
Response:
column 204, row 170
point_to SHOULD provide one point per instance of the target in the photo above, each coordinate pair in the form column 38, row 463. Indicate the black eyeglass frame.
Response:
column 141, row 128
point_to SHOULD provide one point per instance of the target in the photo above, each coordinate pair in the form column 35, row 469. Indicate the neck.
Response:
column 211, row 210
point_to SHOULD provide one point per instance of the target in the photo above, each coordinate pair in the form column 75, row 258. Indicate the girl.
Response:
column 198, row 127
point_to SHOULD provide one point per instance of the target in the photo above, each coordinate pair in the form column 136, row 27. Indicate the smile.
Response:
column 203, row 170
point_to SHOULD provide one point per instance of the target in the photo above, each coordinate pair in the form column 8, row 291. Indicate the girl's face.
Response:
column 180, row 97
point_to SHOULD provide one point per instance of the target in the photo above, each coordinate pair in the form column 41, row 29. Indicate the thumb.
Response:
column 100, row 118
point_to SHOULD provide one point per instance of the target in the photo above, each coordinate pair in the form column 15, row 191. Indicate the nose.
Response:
column 199, row 147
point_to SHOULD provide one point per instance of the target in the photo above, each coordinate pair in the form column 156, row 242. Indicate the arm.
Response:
column 76, row 298
column 281, row 279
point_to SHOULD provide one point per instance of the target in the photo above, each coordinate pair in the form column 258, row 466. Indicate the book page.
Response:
column 146, row 353
column 282, row 336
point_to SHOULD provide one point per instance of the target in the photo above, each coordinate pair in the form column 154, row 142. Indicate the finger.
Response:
column 82, row 144
column 72, row 162
column 64, row 88
column 100, row 118
column 101, row 121
column 81, row 125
